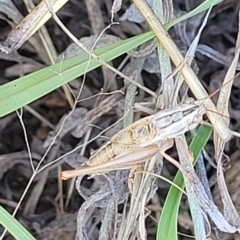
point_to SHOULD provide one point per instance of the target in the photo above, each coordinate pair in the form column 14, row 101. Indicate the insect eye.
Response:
column 198, row 118
column 189, row 101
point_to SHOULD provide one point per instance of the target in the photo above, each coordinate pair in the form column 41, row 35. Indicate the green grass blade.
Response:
column 167, row 226
column 201, row 8
column 13, row 226
column 29, row 88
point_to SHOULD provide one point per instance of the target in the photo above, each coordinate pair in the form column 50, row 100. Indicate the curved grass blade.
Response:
column 29, row 88
column 167, row 226
column 201, row 8
column 13, row 226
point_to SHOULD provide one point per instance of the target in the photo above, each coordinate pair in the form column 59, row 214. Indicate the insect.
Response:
column 142, row 139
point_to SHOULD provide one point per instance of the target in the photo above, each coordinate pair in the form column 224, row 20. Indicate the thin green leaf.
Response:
column 13, row 226
column 167, row 226
column 201, row 8
column 27, row 89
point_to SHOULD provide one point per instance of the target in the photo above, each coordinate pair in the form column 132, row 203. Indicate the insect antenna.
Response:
column 216, row 91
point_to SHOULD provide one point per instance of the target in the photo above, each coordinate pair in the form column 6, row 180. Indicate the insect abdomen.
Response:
column 103, row 155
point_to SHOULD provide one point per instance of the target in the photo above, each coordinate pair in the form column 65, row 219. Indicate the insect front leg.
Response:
column 168, row 144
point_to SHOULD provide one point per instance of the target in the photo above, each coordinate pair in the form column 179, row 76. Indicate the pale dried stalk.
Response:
column 143, row 186
column 229, row 209
column 134, row 71
column 186, row 71
column 196, row 213
column 51, row 54
column 197, row 191
column 29, row 25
